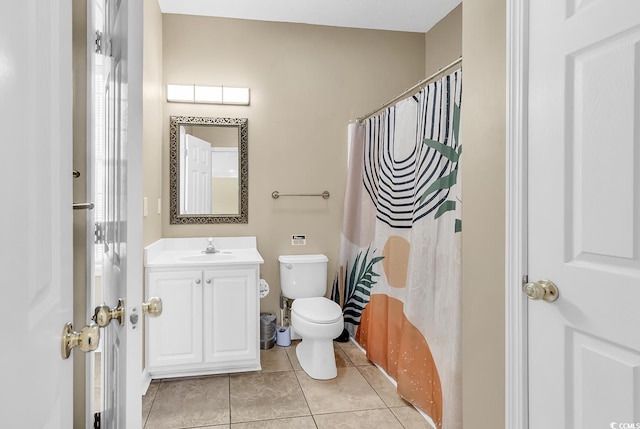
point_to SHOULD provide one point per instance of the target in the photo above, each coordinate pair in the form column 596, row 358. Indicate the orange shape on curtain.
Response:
column 396, row 261
column 399, row 347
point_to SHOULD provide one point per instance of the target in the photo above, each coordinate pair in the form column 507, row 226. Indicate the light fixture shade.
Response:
column 208, row 94
column 232, row 95
column 184, row 93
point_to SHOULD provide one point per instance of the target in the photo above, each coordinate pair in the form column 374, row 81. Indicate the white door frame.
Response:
column 516, row 386
column 90, row 196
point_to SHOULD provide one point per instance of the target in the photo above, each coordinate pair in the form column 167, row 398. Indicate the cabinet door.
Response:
column 176, row 337
column 231, row 317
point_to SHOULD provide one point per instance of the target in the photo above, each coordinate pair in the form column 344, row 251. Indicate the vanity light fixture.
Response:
column 208, row 94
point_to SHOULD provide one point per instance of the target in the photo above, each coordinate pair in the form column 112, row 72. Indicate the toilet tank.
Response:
column 303, row 276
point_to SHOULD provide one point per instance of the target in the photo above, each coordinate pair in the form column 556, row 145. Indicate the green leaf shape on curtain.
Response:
column 445, row 207
column 358, row 283
column 446, row 182
column 447, row 151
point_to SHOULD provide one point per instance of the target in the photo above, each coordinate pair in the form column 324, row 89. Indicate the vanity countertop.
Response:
column 185, row 252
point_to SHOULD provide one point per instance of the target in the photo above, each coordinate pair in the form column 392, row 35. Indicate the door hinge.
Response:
column 98, row 232
column 98, row 42
column 96, row 421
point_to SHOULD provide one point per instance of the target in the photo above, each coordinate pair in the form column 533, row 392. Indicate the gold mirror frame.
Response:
column 175, row 217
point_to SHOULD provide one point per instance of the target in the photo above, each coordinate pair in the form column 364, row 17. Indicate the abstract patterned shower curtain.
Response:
column 399, row 265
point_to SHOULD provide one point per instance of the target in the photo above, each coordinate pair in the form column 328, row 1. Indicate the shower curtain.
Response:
column 398, row 280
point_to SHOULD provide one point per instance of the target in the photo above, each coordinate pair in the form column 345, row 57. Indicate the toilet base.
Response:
column 317, row 358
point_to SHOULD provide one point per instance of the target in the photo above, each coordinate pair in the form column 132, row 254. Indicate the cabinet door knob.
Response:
column 197, row 281
column 208, row 281
column 153, row 307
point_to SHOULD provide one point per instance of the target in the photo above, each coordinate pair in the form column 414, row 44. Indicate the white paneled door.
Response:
column 584, row 213
column 122, row 257
column 36, row 277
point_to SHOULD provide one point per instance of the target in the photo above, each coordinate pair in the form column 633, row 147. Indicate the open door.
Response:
column 36, row 219
column 122, row 277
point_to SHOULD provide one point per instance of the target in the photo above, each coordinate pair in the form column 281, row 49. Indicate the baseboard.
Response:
column 146, row 381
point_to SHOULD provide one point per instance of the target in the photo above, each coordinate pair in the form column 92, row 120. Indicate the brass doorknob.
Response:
column 87, row 339
column 542, row 289
column 104, row 314
column 153, row 307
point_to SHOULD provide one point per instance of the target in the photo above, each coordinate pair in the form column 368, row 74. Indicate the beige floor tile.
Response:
column 293, row 423
column 275, row 359
column 353, row 352
column 279, row 398
column 383, row 386
column 382, row 418
column 291, row 352
column 190, row 402
column 148, row 398
column 349, row 391
column 263, row 396
column 410, row 418
column 341, row 358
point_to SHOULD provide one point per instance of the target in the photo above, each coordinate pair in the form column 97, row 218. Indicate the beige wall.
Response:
column 443, row 43
column 306, row 83
column 483, row 208
column 152, row 94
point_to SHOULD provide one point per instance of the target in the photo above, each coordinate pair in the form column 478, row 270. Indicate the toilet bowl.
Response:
column 318, row 321
column 314, row 318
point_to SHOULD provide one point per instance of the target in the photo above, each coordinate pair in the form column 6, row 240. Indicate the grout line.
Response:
column 230, row 416
column 153, row 401
column 306, row 401
column 331, row 413
column 372, row 387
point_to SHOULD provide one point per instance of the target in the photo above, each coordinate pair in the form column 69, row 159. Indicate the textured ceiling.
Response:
column 398, row 15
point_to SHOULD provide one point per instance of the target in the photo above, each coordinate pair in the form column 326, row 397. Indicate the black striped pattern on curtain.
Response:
column 397, row 186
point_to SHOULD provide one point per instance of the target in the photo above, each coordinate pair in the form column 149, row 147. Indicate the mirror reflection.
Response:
column 208, row 170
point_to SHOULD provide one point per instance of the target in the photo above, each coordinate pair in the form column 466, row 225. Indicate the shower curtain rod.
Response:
column 411, row 90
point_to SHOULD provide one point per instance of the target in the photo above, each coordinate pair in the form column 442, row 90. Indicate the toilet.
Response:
column 316, row 319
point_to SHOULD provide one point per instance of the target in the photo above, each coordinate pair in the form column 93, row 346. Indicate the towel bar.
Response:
column 275, row 195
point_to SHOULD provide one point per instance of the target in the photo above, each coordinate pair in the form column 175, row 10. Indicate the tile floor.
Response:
column 282, row 396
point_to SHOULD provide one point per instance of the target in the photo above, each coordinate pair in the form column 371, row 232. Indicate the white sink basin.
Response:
column 209, row 257
column 186, row 252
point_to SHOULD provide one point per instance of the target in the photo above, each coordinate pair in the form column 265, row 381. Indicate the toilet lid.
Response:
column 317, row 309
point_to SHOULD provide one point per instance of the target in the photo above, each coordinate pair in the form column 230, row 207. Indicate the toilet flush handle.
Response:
column 288, row 266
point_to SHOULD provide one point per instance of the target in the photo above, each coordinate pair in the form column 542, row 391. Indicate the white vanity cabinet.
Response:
column 210, row 316
column 175, row 338
column 231, row 334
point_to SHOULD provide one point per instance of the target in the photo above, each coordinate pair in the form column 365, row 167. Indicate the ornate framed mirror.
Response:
column 208, row 170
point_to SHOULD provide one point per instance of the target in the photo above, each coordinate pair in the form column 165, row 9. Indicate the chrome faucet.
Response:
column 210, row 247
